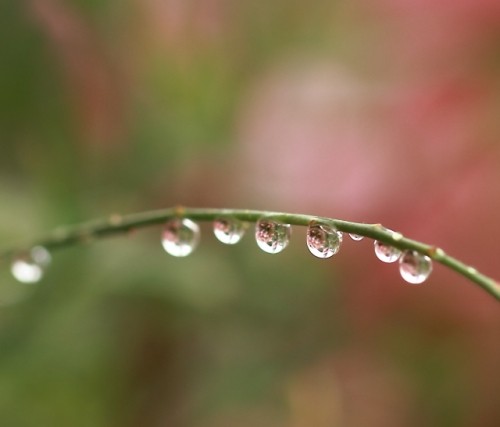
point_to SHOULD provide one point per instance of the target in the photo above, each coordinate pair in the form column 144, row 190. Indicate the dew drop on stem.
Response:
column 30, row 267
column 414, row 267
column 180, row 237
column 228, row 230
column 385, row 252
column 272, row 236
column 323, row 241
column 356, row 237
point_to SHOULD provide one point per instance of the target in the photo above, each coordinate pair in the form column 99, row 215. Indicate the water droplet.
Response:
column 29, row 267
column 414, row 267
column 356, row 237
column 180, row 237
column 323, row 241
column 386, row 253
column 229, row 230
column 272, row 236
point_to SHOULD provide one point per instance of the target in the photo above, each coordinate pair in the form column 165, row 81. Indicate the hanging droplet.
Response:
column 385, row 252
column 180, row 237
column 415, row 268
column 30, row 267
column 356, row 237
column 229, row 230
column 323, row 241
column 272, row 236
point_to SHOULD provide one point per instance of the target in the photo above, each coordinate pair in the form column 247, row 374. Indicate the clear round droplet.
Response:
column 356, row 237
column 180, row 237
column 228, row 230
column 30, row 267
column 386, row 253
column 415, row 268
column 323, row 241
column 272, row 236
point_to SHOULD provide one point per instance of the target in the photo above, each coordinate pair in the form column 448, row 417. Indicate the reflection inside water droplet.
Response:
column 385, row 252
column 415, row 268
column 180, row 237
column 30, row 267
column 323, row 241
column 229, row 230
column 272, row 236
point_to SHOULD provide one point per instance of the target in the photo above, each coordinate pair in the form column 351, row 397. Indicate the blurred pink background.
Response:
column 374, row 111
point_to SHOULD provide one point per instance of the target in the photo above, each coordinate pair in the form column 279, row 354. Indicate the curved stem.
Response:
column 118, row 224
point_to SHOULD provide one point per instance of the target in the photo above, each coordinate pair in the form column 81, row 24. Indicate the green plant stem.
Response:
column 118, row 224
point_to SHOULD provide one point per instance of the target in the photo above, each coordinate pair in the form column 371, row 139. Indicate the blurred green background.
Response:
column 377, row 111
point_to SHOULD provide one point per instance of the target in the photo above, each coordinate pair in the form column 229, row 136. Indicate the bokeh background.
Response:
column 369, row 110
